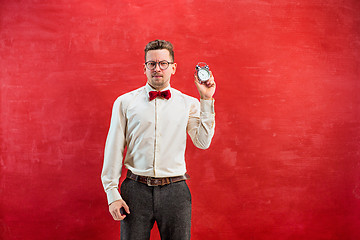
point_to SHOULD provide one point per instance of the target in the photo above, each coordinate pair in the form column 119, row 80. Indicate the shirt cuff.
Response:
column 207, row 106
column 113, row 195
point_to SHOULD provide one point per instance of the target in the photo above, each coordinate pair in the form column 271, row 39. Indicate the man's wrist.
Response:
column 206, row 98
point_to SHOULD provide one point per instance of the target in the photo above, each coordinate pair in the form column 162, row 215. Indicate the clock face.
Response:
column 203, row 75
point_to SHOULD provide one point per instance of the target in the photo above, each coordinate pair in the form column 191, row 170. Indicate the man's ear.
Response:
column 173, row 68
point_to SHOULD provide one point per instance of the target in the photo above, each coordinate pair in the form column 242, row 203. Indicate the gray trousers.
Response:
column 168, row 205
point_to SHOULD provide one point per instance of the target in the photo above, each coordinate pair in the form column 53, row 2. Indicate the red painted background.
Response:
column 285, row 159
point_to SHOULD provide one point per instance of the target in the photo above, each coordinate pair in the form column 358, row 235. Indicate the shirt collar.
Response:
column 149, row 88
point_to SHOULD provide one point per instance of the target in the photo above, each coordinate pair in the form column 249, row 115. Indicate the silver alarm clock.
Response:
column 203, row 71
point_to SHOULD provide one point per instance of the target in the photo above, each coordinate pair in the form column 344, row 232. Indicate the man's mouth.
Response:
column 157, row 76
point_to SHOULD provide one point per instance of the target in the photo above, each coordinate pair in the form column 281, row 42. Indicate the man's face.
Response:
column 158, row 78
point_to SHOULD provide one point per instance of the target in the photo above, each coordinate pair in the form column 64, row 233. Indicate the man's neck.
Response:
column 158, row 88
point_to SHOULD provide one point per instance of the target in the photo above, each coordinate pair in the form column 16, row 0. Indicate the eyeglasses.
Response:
column 151, row 65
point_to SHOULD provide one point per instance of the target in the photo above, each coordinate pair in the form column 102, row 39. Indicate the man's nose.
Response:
column 157, row 67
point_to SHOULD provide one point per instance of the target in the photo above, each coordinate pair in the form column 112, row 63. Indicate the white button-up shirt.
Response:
column 154, row 135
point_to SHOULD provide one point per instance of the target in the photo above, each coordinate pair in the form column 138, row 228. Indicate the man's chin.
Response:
column 158, row 81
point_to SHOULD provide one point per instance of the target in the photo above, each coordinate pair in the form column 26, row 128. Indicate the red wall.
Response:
column 284, row 162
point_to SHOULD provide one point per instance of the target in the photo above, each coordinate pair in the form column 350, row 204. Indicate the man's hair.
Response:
column 160, row 44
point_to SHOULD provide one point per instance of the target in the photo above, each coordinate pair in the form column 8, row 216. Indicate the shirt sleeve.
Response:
column 201, row 124
column 113, row 154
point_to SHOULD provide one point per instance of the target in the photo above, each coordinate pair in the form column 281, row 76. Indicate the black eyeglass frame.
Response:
column 158, row 63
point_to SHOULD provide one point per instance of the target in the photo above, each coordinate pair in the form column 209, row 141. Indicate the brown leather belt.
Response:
column 151, row 181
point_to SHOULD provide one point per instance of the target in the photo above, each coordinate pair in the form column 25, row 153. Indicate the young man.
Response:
column 152, row 123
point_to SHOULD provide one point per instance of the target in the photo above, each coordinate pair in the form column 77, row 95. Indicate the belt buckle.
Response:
column 148, row 182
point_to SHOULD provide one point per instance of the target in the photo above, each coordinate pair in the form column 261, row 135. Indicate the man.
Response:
column 152, row 123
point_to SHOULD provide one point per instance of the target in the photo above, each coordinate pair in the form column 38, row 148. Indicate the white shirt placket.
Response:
column 157, row 134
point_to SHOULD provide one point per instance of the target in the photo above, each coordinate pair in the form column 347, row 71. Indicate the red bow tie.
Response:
column 154, row 94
